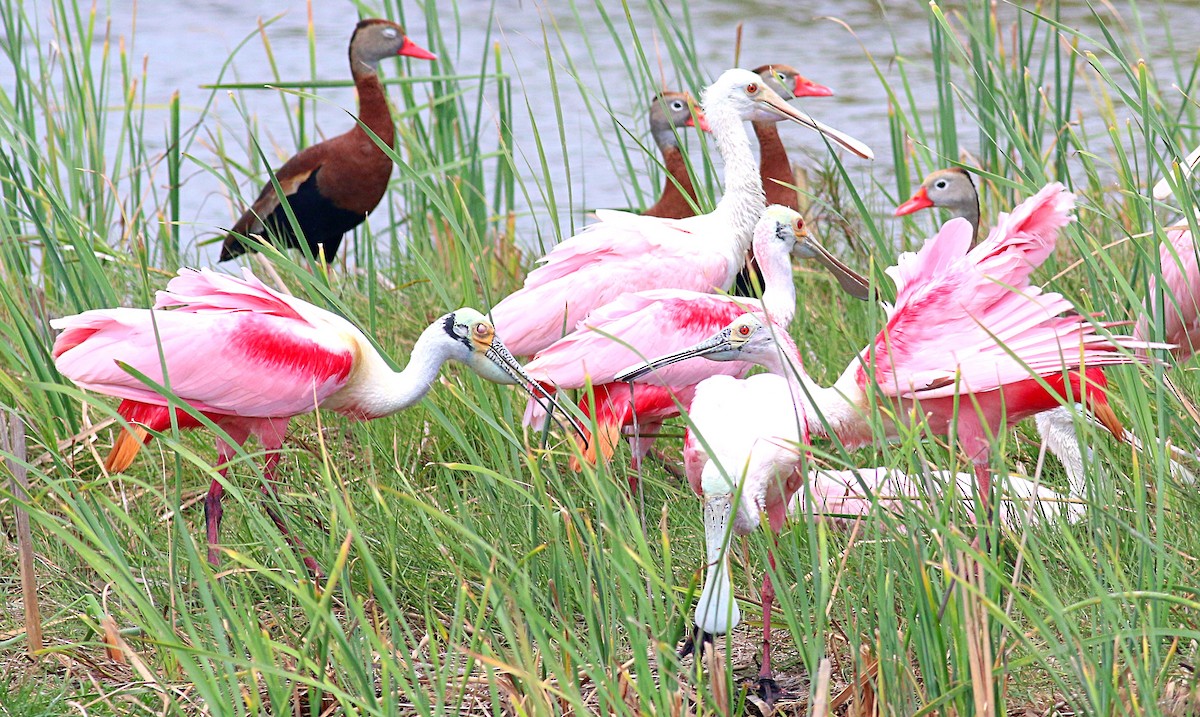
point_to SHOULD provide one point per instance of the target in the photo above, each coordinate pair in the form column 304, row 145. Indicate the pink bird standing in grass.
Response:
column 249, row 359
column 1180, row 280
column 970, row 347
column 626, row 252
column 648, row 323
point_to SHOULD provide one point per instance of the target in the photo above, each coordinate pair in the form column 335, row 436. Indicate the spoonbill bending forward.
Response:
column 250, row 358
column 966, row 350
column 647, row 323
column 625, row 252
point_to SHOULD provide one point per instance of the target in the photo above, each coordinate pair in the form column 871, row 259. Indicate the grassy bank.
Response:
column 472, row 570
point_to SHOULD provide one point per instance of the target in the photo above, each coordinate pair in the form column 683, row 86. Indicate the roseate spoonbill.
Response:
column 333, row 185
column 963, row 345
column 670, row 111
column 970, row 345
column 1180, row 280
column 648, row 322
column 743, row 469
column 624, row 252
column 774, row 167
column 951, row 189
column 250, row 358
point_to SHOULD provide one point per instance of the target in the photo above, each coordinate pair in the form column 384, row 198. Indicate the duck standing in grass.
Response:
column 248, row 359
column 333, row 185
column 624, row 252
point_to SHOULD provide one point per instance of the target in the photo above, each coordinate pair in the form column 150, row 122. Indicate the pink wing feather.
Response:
column 233, row 347
column 637, row 327
column 1181, row 294
column 620, row 253
column 1004, row 329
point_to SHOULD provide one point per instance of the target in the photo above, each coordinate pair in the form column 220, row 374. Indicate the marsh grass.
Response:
column 469, row 569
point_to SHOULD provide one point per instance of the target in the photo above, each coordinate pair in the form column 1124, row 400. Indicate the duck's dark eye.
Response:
column 781, row 77
column 940, row 184
column 676, row 105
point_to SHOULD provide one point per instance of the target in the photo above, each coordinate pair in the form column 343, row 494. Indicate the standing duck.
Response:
column 624, row 252
column 333, row 185
column 670, row 111
column 774, row 167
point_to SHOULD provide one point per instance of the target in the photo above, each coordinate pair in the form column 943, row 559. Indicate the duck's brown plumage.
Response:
column 333, row 185
column 669, row 112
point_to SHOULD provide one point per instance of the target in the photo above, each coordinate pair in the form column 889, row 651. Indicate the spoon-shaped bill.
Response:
column 775, row 103
column 851, row 281
column 499, row 357
column 715, row 345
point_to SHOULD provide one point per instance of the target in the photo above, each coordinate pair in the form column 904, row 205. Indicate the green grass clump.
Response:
column 470, row 569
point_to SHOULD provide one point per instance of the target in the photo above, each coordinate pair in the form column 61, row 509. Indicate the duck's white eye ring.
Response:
column 389, row 33
column 676, row 105
column 940, row 184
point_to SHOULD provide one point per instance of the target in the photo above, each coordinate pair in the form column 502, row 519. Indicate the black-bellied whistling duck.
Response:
column 951, row 189
column 333, row 185
column 778, row 180
column 668, row 112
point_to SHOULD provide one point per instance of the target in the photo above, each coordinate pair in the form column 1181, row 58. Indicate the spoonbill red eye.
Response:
column 752, row 89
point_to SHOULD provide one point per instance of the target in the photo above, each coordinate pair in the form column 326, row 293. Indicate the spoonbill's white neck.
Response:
column 743, row 202
column 378, row 391
column 827, row 409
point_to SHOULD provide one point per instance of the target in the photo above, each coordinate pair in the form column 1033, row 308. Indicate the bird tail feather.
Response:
column 126, row 448
column 600, row 445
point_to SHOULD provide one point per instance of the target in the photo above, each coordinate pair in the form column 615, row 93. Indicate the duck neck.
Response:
column 970, row 212
column 743, row 202
column 678, row 190
column 372, row 101
column 775, row 167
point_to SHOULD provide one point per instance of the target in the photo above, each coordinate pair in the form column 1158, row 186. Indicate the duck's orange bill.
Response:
column 919, row 201
column 807, row 88
column 412, row 49
column 698, row 120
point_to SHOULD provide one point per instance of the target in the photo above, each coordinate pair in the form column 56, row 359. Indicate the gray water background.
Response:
column 187, row 42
